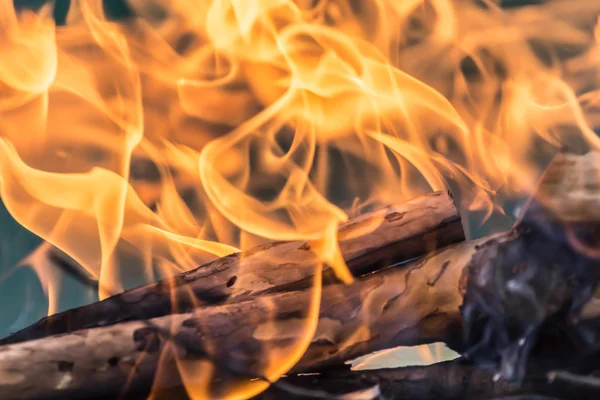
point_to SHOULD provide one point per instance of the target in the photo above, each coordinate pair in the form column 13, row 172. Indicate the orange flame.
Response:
column 199, row 128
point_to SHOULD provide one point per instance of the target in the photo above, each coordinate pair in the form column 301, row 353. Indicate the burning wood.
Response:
column 368, row 242
column 147, row 145
column 416, row 303
column 499, row 300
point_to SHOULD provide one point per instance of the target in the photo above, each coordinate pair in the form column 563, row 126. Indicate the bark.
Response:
column 412, row 304
column 503, row 301
column 367, row 242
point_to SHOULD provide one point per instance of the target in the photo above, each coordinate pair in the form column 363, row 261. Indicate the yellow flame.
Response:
column 197, row 374
column 196, row 129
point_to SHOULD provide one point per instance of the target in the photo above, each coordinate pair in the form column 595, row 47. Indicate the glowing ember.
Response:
column 202, row 127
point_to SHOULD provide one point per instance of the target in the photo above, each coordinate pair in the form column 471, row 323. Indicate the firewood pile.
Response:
column 521, row 307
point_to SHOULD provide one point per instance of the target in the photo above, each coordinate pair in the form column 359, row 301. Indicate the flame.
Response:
column 196, row 375
column 196, row 129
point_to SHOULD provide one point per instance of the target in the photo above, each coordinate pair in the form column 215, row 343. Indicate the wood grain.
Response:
column 367, row 242
column 412, row 304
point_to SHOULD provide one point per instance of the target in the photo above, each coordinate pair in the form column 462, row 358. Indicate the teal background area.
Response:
column 21, row 297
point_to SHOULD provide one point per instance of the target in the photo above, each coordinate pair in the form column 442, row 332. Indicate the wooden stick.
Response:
column 421, row 302
column 368, row 242
column 413, row 304
column 496, row 299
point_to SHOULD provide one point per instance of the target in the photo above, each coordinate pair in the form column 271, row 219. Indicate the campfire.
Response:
column 259, row 193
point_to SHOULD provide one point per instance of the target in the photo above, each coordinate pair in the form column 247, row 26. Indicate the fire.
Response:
column 199, row 128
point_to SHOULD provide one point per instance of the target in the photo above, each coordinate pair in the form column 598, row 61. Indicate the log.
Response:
column 504, row 301
column 420, row 302
column 412, row 304
column 367, row 242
